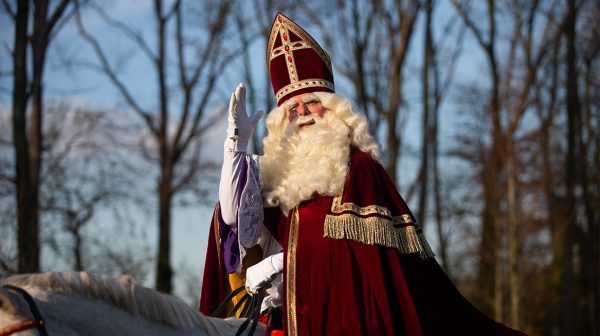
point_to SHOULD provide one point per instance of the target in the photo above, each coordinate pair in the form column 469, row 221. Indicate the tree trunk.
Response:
column 407, row 13
column 490, row 225
column 574, row 124
column 426, row 128
column 28, row 138
column 27, row 195
column 75, row 229
column 439, row 223
column 393, row 145
column 78, row 252
column 488, row 246
column 490, row 277
column 589, row 242
column 494, row 185
column 491, row 243
column 38, row 50
column 554, row 221
column 164, row 272
column 513, row 238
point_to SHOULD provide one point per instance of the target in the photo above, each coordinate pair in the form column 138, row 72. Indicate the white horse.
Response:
column 73, row 303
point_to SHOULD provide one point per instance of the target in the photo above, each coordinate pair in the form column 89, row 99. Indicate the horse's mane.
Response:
column 122, row 293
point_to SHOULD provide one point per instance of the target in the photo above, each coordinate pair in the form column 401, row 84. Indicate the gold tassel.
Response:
column 376, row 230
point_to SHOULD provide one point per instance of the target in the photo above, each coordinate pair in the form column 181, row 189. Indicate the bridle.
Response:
column 37, row 321
column 250, row 311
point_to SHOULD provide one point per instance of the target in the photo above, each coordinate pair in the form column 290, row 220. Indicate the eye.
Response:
column 312, row 102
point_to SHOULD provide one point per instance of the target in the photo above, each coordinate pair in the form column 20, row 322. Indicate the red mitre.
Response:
column 296, row 62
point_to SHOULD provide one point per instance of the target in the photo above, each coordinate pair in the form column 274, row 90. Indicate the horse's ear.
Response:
column 127, row 281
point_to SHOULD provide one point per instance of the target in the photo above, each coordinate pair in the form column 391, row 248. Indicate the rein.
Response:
column 37, row 321
column 250, row 311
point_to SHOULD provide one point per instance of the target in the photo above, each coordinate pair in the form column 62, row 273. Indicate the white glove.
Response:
column 275, row 293
column 240, row 126
column 263, row 272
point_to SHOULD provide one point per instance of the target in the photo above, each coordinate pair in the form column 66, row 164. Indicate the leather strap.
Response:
column 251, row 310
column 37, row 321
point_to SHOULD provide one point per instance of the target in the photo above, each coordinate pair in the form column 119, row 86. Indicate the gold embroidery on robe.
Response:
column 291, row 274
column 376, row 230
column 338, row 207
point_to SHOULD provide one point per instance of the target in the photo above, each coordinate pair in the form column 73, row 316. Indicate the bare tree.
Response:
column 30, row 46
column 8, row 225
column 85, row 172
column 43, row 147
column 437, row 75
column 184, row 90
column 548, row 109
column 573, row 152
column 511, row 86
column 589, row 137
column 371, row 41
column 489, row 273
column 353, row 40
column 253, row 20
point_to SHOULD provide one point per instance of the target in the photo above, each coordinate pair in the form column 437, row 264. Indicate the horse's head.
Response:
column 11, row 306
column 15, row 313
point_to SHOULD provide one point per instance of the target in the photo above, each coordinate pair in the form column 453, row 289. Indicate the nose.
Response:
column 303, row 110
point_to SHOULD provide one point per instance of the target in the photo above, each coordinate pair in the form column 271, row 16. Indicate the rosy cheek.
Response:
column 320, row 111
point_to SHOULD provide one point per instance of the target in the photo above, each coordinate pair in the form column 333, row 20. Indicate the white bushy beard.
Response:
column 308, row 161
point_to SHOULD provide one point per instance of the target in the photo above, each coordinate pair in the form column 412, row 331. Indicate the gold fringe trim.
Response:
column 376, row 230
column 403, row 219
column 338, row 207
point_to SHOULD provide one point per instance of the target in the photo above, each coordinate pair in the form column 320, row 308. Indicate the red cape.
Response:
column 359, row 264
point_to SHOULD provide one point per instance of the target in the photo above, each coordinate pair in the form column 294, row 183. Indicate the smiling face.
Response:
column 304, row 106
column 309, row 158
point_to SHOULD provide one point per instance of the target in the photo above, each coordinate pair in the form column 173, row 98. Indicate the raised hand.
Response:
column 240, row 125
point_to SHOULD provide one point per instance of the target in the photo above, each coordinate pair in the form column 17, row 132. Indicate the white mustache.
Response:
column 294, row 126
column 303, row 120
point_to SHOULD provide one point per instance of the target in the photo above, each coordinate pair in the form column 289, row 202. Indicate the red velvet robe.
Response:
column 358, row 265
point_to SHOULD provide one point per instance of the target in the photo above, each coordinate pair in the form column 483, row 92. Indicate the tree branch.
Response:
column 8, row 178
column 532, row 66
column 105, row 68
column 210, row 56
column 133, row 35
column 6, row 267
column 10, row 11
column 183, row 81
column 180, row 45
column 463, row 12
column 172, row 10
column 58, row 12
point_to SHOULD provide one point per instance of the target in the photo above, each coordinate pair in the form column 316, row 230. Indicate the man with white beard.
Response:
column 311, row 136
column 341, row 252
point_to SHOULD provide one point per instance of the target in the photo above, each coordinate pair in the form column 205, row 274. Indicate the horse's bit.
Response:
column 37, row 321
